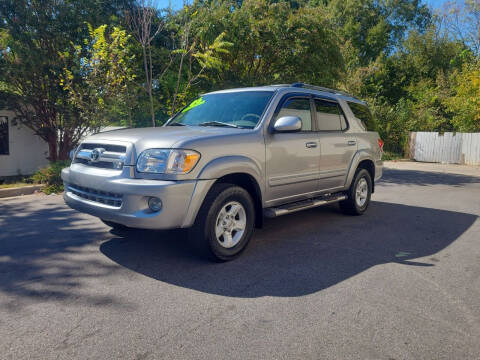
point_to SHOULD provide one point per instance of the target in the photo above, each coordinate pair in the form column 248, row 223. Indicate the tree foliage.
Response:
column 99, row 76
column 419, row 70
column 32, row 35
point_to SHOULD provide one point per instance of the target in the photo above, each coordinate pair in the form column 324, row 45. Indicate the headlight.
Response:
column 166, row 161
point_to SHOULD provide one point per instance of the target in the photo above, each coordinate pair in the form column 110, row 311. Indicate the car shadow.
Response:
column 298, row 254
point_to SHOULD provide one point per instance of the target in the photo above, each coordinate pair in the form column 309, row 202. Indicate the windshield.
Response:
column 241, row 109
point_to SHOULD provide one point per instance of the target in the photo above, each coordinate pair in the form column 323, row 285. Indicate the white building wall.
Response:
column 28, row 152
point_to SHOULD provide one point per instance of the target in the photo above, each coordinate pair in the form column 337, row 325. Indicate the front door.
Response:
column 292, row 159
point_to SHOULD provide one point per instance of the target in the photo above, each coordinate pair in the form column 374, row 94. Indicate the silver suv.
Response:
column 226, row 161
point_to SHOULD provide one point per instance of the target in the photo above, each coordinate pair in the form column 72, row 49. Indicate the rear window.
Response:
column 363, row 113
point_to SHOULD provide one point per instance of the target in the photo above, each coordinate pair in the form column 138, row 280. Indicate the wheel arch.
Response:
column 247, row 182
column 361, row 160
column 235, row 170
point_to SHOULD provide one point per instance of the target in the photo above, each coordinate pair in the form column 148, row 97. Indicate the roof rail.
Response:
column 321, row 88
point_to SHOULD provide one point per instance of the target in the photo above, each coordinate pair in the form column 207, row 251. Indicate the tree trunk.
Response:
column 149, row 83
column 174, row 102
column 65, row 146
column 52, row 149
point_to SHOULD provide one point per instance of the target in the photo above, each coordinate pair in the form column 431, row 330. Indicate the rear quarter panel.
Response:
column 367, row 149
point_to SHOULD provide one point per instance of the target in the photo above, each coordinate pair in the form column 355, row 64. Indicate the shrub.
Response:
column 51, row 177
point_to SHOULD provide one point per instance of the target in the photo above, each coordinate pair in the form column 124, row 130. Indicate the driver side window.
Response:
column 298, row 107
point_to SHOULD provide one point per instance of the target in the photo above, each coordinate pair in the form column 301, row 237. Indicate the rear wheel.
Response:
column 359, row 194
column 224, row 224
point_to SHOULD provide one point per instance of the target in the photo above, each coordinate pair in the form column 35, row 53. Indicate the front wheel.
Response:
column 224, row 224
column 359, row 194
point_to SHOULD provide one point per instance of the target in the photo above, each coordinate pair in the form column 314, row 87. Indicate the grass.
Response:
column 50, row 176
column 12, row 185
column 15, row 181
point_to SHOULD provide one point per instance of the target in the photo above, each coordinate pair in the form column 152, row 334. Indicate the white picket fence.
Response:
column 450, row 148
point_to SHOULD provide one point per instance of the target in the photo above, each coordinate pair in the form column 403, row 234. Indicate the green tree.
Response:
column 197, row 56
column 99, row 77
column 145, row 22
column 375, row 27
column 33, row 34
column 465, row 103
column 273, row 42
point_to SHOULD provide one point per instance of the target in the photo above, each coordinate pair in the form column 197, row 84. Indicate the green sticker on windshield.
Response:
column 194, row 104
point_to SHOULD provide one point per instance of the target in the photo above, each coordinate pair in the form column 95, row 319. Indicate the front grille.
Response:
column 107, row 147
column 102, row 197
column 108, row 156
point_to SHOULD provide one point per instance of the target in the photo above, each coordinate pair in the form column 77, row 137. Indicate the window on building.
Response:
column 4, row 148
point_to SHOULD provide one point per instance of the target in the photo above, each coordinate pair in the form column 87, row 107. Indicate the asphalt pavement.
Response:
column 400, row 282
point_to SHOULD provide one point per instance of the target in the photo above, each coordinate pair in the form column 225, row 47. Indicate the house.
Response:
column 21, row 151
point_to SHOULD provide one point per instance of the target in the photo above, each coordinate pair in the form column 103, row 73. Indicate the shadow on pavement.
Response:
column 424, row 178
column 297, row 254
column 46, row 253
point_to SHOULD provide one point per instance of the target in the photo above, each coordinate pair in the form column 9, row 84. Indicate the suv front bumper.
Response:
column 115, row 196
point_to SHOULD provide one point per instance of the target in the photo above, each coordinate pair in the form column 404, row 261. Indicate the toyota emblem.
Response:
column 96, row 154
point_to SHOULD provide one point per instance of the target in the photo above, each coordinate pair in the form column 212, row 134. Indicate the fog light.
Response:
column 155, row 204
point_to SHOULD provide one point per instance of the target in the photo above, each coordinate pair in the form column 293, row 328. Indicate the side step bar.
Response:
column 303, row 205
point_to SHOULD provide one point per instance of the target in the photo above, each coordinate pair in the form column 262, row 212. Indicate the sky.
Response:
column 435, row 3
column 176, row 4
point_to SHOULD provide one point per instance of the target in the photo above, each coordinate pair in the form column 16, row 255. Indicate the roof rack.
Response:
column 321, row 88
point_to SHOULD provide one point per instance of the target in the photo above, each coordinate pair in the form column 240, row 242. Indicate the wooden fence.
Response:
column 450, row 148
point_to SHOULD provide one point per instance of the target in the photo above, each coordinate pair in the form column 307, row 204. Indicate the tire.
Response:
column 357, row 205
column 224, row 224
column 115, row 225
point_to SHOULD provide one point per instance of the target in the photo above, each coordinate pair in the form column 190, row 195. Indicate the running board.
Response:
column 303, row 205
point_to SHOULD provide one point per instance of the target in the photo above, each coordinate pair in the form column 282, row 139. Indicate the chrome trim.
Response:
column 106, row 156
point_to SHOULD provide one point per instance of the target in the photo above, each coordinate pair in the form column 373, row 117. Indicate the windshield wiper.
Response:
column 176, row 124
column 218, row 123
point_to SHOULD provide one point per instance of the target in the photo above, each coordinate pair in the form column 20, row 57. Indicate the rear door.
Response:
column 292, row 159
column 337, row 145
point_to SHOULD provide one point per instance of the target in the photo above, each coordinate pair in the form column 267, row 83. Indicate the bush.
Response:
column 51, row 177
column 388, row 155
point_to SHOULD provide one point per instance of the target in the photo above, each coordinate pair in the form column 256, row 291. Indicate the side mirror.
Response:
column 288, row 124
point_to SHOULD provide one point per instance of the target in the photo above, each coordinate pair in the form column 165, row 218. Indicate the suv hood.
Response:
column 161, row 137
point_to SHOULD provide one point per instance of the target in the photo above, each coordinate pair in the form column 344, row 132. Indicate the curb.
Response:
column 18, row 191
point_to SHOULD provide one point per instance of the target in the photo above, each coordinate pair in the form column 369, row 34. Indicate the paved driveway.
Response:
column 401, row 282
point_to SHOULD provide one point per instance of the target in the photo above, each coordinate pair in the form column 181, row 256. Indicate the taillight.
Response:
column 380, row 144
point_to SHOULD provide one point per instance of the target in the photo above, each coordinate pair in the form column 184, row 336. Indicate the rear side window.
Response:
column 298, row 107
column 363, row 113
column 329, row 116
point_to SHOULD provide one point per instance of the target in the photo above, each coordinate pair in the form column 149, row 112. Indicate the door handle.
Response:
column 351, row 142
column 311, row 144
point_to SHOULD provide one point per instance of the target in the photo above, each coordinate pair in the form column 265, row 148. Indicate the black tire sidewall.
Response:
column 233, row 193
column 362, row 174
